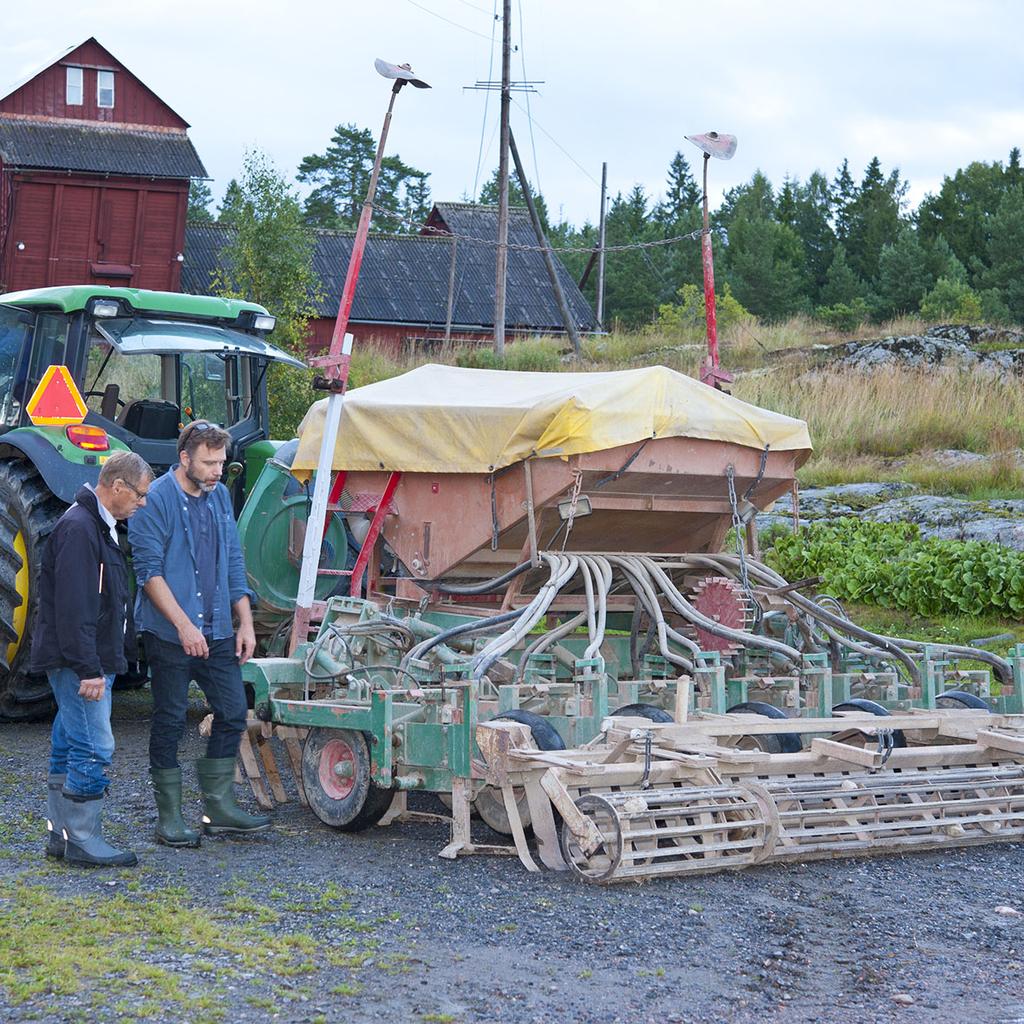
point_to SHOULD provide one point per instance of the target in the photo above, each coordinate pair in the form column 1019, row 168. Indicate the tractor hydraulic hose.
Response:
column 542, row 643
column 461, row 630
column 476, row 588
column 638, row 578
column 602, row 571
column 892, row 647
column 691, row 614
column 563, row 568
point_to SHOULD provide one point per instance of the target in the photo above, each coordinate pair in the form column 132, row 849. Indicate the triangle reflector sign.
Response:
column 56, row 402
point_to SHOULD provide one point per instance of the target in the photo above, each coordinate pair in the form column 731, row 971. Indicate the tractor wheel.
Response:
column 28, row 512
column 860, row 739
column 770, row 743
column 489, row 803
column 648, row 711
column 961, row 699
column 336, row 769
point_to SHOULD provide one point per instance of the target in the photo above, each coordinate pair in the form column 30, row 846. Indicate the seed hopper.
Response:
column 572, row 638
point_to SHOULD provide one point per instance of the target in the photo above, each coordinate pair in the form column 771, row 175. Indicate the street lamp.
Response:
column 722, row 147
column 335, row 376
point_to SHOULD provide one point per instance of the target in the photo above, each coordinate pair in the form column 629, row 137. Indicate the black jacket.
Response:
column 84, row 620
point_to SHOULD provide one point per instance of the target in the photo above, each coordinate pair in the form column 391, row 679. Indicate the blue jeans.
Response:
column 219, row 677
column 81, row 742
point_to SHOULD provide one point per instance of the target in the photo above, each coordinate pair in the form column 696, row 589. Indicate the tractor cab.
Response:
column 146, row 364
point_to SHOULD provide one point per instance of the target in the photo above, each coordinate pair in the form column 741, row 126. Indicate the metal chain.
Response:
column 577, row 484
column 430, row 230
column 737, row 525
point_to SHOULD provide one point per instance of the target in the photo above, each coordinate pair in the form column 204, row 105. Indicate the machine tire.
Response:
column 777, row 743
column 28, row 513
column 347, row 806
column 899, row 739
column 962, row 698
column 648, row 711
column 489, row 804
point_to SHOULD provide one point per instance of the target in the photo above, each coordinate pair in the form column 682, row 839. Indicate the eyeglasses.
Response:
column 140, row 495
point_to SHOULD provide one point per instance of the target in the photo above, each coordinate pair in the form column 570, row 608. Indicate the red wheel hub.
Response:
column 337, row 771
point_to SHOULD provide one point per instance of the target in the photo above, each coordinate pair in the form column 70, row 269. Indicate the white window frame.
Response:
column 74, row 90
column 101, row 77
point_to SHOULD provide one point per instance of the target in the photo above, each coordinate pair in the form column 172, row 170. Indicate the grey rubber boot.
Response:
column 171, row 829
column 83, row 832
column 223, row 815
column 55, row 816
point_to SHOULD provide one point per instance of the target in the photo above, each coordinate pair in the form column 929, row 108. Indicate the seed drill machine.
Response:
column 535, row 597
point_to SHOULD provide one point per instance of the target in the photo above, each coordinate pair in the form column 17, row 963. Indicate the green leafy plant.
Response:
column 890, row 565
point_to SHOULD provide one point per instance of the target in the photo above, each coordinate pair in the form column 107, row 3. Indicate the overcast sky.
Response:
column 927, row 85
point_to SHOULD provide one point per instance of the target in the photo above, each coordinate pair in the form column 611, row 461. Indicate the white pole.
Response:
column 321, row 489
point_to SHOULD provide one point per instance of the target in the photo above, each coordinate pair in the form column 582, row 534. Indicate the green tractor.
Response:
column 146, row 363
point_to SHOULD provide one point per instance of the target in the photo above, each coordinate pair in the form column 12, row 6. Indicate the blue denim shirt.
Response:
column 162, row 545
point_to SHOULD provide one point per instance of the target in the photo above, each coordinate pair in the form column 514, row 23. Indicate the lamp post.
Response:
column 335, row 376
column 722, row 147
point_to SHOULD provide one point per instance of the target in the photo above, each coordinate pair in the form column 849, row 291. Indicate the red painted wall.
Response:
column 393, row 339
column 92, row 230
column 44, row 96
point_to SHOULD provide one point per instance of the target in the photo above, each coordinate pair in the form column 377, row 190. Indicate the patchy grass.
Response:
column 999, row 477
column 151, row 955
column 944, row 629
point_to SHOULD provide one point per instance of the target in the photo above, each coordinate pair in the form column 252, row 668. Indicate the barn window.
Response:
column 74, row 90
column 104, row 88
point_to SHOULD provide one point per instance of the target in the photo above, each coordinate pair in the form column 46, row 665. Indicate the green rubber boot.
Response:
column 223, row 815
column 171, row 829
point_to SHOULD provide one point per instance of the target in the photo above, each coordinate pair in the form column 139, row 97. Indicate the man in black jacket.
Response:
column 79, row 641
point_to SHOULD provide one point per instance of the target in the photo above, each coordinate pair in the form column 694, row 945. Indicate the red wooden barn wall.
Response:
column 46, row 94
column 392, row 339
column 76, row 230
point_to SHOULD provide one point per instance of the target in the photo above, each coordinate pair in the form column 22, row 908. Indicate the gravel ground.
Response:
column 394, row 933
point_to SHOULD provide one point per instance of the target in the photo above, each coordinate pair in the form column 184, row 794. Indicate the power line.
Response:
column 561, row 147
column 477, row 7
column 529, row 118
column 483, row 125
column 449, row 21
column 519, row 247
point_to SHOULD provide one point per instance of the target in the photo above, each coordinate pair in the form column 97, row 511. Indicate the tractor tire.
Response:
column 28, row 512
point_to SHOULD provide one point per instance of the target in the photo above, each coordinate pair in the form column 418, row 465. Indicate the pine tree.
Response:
column 844, row 195
column 765, row 267
column 341, row 176
column 199, row 199
column 903, row 276
column 874, row 219
column 842, row 285
column 232, row 205
column 1005, row 253
column 682, row 194
column 811, row 220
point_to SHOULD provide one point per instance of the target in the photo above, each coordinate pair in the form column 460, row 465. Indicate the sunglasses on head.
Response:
column 193, row 428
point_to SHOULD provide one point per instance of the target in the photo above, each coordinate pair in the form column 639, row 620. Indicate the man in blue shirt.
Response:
column 192, row 583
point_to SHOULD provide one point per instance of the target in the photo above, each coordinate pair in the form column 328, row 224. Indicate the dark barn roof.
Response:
column 404, row 279
column 71, row 147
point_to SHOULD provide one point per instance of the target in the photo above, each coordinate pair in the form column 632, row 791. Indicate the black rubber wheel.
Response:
column 874, row 708
column 961, row 699
column 775, row 743
column 336, row 769
column 648, row 711
column 489, row 803
column 29, row 512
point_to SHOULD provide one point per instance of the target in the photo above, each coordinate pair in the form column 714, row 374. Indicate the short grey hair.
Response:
column 130, row 467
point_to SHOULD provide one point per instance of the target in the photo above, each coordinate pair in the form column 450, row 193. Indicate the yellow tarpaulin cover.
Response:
column 445, row 419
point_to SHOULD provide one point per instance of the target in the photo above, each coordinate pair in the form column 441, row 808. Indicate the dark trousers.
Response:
column 220, row 678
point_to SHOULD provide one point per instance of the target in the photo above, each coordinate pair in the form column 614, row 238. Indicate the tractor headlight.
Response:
column 105, row 307
column 263, row 322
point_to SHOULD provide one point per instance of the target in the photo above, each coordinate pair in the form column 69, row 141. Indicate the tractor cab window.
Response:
column 15, row 335
column 123, row 388
column 209, row 388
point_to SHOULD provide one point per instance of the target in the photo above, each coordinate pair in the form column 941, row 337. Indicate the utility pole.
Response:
column 501, row 262
column 600, row 249
column 549, row 261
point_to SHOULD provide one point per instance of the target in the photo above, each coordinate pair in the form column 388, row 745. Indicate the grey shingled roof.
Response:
column 404, row 279
column 72, row 147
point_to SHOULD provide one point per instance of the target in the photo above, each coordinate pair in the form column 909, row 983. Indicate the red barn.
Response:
column 94, row 178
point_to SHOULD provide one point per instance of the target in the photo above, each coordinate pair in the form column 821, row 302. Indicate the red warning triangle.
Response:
column 56, row 401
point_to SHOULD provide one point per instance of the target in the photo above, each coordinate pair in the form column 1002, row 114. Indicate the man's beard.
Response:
column 201, row 484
